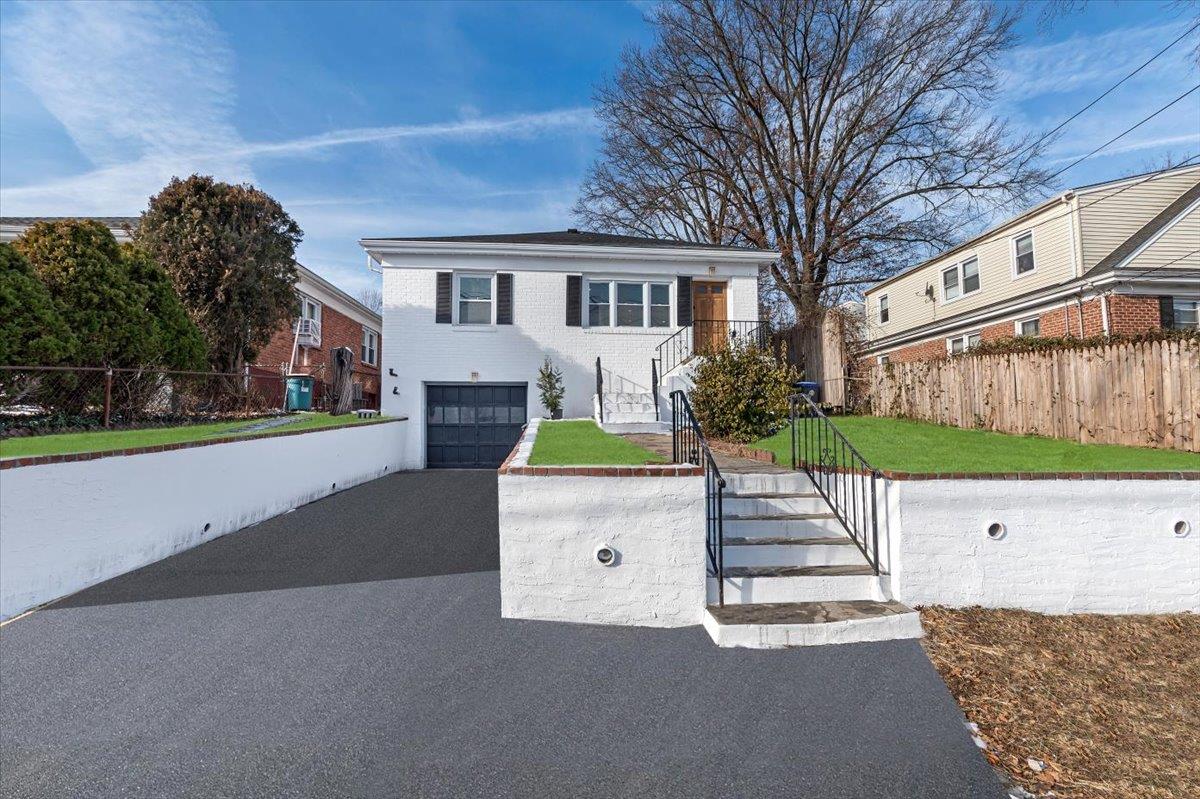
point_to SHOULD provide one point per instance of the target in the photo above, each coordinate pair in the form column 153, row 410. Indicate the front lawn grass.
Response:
column 1081, row 706
column 580, row 442
column 108, row 440
column 907, row 446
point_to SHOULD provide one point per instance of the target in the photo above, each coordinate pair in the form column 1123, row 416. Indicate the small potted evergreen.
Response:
column 550, row 384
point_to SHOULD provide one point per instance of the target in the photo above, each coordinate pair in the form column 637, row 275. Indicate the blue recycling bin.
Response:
column 809, row 389
column 299, row 392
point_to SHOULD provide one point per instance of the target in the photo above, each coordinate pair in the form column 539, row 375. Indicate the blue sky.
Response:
column 426, row 119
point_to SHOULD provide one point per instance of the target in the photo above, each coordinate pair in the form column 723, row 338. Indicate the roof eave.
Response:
column 397, row 247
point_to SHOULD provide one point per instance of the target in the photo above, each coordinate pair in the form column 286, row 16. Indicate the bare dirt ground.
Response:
column 1079, row 707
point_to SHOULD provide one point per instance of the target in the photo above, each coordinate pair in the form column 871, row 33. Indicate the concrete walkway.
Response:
column 728, row 464
column 354, row 648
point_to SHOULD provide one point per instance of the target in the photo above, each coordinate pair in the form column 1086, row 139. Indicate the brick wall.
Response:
column 337, row 330
column 1129, row 314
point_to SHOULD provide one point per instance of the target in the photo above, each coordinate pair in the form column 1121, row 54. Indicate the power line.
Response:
column 1125, row 132
column 1075, row 116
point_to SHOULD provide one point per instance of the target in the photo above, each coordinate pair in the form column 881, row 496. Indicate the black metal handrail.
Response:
column 709, row 335
column 654, row 385
column 600, row 390
column 688, row 445
column 844, row 478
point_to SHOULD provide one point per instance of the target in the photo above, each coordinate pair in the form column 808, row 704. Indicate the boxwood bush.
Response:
column 741, row 394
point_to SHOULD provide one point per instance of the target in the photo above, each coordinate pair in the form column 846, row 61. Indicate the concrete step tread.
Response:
column 775, row 495
column 779, row 517
column 776, row 540
column 806, row 612
column 799, row 571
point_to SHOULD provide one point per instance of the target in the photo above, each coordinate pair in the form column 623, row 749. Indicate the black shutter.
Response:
column 444, row 281
column 504, row 298
column 1166, row 312
column 683, row 301
column 574, row 301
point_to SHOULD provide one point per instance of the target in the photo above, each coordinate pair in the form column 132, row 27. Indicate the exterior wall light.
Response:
column 995, row 531
column 1182, row 528
column 606, row 555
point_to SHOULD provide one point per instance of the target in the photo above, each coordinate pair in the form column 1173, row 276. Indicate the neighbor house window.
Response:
column 1029, row 327
column 310, row 309
column 960, row 279
column 951, row 289
column 884, row 360
column 1023, row 254
column 628, row 303
column 370, row 347
column 474, row 299
column 1186, row 313
column 883, row 309
column 598, row 302
column 962, row 343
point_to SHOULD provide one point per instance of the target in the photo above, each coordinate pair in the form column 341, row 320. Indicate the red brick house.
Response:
column 1120, row 257
column 326, row 318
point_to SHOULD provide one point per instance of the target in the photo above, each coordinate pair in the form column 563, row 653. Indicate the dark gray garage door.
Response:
column 472, row 425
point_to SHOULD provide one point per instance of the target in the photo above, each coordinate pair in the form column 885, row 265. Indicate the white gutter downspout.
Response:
column 1104, row 311
column 1079, row 305
column 1067, row 316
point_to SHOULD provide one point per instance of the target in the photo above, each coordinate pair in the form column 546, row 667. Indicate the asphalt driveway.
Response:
column 354, row 647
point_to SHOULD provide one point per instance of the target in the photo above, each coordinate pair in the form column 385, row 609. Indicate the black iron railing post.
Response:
column 654, row 386
column 840, row 474
column 600, row 390
column 689, row 445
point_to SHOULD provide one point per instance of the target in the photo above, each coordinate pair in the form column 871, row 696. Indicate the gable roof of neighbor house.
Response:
column 12, row 225
column 1056, row 199
column 1146, row 232
column 571, row 237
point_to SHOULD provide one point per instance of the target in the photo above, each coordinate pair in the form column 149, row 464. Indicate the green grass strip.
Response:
column 920, row 447
column 579, row 442
column 109, row 440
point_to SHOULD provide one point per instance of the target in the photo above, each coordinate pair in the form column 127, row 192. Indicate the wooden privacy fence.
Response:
column 1143, row 393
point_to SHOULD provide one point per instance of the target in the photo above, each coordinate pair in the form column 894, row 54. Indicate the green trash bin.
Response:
column 299, row 392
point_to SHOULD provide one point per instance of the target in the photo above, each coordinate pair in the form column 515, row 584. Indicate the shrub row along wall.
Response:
column 65, row 526
column 1142, row 394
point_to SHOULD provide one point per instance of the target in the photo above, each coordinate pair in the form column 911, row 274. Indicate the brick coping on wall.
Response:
column 41, row 460
column 517, row 463
column 890, row 474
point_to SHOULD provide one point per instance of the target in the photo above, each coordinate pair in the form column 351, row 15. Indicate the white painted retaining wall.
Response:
column 1069, row 546
column 550, row 527
column 552, row 524
column 66, row 526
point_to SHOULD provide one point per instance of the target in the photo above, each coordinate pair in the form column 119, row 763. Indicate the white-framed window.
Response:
column 1022, row 250
column 474, row 298
column 599, row 304
column 1186, row 313
column 962, row 343
column 370, row 347
column 883, row 360
column 1028, row 327
column 960, row 279
column 614, row 302
column 309, row 308
column 883, row 308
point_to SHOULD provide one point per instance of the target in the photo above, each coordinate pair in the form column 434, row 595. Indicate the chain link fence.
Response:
column 54, row 399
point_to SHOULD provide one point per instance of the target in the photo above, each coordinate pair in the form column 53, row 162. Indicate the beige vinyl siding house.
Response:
column 1093, row 260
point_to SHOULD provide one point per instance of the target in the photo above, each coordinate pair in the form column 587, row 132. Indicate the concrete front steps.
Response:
column 790, row 624
column 629, row 412
column 792, row 575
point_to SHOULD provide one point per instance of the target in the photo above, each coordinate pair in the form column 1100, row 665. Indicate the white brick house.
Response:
column 469, row 320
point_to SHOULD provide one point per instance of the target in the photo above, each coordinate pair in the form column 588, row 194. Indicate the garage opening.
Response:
column 472, row 425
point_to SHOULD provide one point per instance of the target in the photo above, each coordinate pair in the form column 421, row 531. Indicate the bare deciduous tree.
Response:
column 372, row 297
column 851, row 135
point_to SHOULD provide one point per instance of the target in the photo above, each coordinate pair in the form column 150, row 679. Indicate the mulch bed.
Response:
column 1079, row 707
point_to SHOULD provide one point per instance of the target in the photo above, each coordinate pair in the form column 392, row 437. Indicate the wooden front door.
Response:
column 710, row 319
